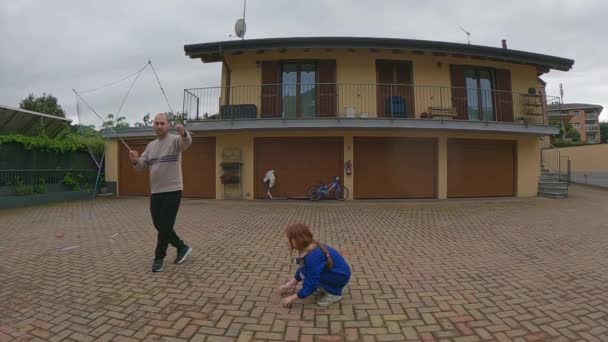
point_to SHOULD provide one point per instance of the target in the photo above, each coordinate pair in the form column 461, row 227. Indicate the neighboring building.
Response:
column 541, row 86
column 394, row 118
column 583, row 117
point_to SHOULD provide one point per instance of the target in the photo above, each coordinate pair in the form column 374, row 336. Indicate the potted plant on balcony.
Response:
column 520, row 119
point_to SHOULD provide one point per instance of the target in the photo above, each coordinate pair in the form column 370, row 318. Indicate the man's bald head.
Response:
column 161, row 116
column 161, row 125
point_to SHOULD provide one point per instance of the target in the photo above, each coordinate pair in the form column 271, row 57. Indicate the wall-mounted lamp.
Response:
column 439, row 64
column 257, row 64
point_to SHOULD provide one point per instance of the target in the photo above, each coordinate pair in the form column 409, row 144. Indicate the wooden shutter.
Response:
column 271, row 89
column 404, row 85
column 384, row 79
column 394, row 79
column 326, row 93
column 228, row 75
column 459, row 91
column 504, row 97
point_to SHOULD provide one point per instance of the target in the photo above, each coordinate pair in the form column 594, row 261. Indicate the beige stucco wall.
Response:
column 527, row 155
column 528, row 166
column 244, row 142
column 356, row 75
column 588, row 158
column 528, row 158
column 111, row 165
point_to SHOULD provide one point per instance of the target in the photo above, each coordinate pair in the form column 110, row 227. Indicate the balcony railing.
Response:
column 592, row 128
column 590, row 116
column 394, row 101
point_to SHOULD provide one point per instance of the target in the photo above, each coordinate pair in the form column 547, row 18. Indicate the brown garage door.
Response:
column 198, row 170
column 130, row 181
column 395, row 168
column 298, row 163
column 481, row 168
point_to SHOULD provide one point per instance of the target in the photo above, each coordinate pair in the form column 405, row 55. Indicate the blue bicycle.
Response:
column 317, row 192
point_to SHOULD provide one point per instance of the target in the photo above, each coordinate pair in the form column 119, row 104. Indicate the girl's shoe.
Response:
column 318, row 293
column 328, row 299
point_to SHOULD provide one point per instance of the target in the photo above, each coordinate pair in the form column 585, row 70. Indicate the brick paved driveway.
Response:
column 523, row 270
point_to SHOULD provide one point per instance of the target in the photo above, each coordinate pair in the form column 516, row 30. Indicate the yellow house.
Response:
column 392, row 118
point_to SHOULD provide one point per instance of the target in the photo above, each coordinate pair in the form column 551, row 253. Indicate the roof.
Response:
column 205, row 127
column 213, row 52
column 27, row 122
column 573, row 106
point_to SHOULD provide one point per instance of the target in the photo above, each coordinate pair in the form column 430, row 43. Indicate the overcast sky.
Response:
column 55, row 46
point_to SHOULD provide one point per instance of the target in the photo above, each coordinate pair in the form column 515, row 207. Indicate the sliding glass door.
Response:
column 479, row 94
column 299, row 89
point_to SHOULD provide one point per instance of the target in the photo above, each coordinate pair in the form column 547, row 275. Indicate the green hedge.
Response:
column 65, row 141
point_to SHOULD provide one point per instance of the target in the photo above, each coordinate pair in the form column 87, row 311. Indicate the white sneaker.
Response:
column 318, row 293
column 328, row 299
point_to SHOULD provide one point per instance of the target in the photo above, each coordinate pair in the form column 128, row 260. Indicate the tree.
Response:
column 46, row 104
column 177, row 118
column 84, row 130
column 604, row 132
column 572, row 134
column 568, row 136
column 146, row 121
column 115, row 122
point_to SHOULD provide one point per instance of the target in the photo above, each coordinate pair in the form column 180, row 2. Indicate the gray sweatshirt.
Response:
column 163, row 157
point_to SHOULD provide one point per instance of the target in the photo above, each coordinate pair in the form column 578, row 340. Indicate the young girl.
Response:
column 323, row 269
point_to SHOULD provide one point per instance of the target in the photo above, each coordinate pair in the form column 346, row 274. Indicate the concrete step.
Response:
column 554, row 187
column 553, row 183
column 549, row 180
column 554, row 195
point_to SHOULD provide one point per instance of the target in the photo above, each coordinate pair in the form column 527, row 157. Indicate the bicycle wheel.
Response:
column 313, row 193
column 341, row 194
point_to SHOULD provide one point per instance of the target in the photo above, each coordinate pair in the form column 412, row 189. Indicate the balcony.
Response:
column 591, row 116
column 414, row 106
column 592, row 128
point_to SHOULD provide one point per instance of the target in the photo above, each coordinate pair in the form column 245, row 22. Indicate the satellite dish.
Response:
column 240, row 28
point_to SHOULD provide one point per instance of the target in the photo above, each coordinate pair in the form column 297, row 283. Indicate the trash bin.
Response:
column 395, row 106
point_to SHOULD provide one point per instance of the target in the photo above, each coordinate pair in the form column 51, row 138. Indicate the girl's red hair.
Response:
column 300, row 237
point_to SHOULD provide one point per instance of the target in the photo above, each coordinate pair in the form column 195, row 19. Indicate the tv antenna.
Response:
column 240, row 27
column 468, row 35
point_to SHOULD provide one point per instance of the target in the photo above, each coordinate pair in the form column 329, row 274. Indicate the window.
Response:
column 299, row 89
column 576, row 113
column 577, row 125
column 590, row 138
column 395, row 95
column 479, row 94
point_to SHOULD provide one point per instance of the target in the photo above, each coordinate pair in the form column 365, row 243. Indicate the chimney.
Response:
column 504, row 43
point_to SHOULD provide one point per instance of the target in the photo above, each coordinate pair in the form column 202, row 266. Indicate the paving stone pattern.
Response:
column 463, row 270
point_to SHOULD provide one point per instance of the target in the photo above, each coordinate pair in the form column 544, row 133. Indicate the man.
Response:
column 162, row 157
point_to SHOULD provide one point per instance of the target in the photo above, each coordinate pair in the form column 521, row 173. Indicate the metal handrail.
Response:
column 553, row 160
column 361, row 100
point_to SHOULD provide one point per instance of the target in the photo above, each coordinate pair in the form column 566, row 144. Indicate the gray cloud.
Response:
column 59, row 45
